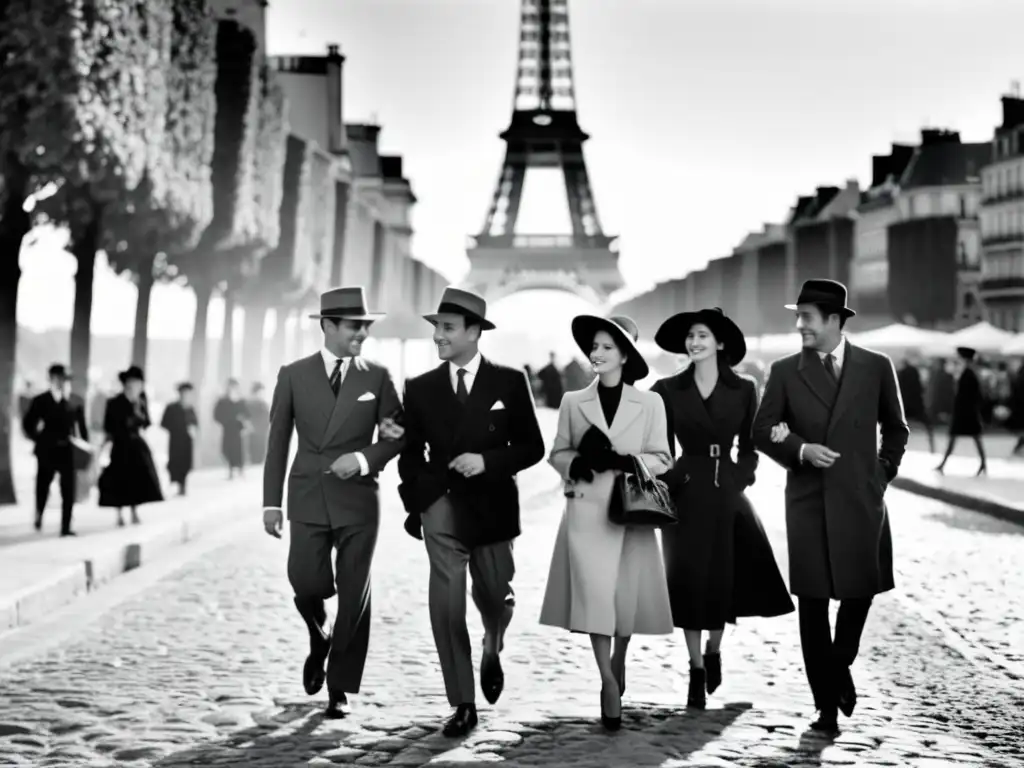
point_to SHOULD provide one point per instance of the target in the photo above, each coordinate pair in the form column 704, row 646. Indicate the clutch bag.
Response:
column 640, row 499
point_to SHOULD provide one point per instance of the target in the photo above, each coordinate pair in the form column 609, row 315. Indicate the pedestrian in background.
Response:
column 182, row 425
column 966, row 419
column 52, row 419
column 130, row 478
column 232, row 413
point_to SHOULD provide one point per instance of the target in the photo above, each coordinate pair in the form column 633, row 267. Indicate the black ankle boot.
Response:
column 713, row 669
column 698, row 680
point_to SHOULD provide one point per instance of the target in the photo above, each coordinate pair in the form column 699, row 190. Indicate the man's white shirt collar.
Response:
column 838, row 354
column 330, row 358
column 471, row 370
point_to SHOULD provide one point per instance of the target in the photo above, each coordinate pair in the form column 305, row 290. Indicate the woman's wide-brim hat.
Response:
column 625, row 333
column 133, row 372
column 456, row 301
column 671, row 336
column 345, row 304
column 828, row 293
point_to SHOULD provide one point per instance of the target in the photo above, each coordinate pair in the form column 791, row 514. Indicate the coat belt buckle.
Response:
column 715, row 451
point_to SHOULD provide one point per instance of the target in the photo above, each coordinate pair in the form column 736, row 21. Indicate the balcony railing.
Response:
column 1017, row 237
column 604, row 242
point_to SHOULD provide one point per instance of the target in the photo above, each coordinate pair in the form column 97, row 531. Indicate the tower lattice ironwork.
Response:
column 544, row 133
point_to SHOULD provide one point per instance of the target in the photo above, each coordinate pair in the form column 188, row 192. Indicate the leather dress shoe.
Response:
column 827, row 722
column 313, row 672
column 492, row 677
column 337, row 705
column 462, row 722
column 847, row 698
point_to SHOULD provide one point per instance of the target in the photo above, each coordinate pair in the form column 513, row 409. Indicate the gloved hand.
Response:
column 623, row 463
column 593, row 444
column 580, row 471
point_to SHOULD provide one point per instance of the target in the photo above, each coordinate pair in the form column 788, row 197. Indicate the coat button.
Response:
column 490, row 428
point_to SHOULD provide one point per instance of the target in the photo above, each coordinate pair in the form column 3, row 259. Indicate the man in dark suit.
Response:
column 334, row 400
column 818, row 419
column 470, row 428
column 51, row 422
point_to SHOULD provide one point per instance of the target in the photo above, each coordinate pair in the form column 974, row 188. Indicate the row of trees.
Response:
column 158, row 135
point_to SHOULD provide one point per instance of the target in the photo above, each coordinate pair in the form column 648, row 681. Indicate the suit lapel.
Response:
column 629, row 410
column 849, row 381
column 590, row 405
column 817, row 379
column 694, row 401
column 317, row 388
column 356, row 382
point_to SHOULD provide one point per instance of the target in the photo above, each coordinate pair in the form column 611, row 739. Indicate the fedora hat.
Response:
column 456, row 301
column 345, row 304
column 829, row 293
column 133, row 372
column 625, row 333
column 671, row 336
column 966, row 353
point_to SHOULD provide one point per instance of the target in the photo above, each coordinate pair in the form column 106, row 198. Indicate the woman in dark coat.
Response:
column 718, row 560
column 966, row 418
column 130, row 478
column 232, row 413
column 180, row 421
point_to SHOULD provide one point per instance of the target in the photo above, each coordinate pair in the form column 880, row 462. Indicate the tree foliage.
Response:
column 235, row 224
column 173, row 205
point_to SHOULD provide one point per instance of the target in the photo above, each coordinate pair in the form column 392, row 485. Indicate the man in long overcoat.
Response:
column 818, row 419
column 334, row 400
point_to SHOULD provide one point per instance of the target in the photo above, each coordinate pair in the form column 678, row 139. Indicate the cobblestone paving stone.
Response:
column 204, row 669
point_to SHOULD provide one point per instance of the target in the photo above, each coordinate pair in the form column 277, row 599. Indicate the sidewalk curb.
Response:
column 109, row 560
column 973, row 502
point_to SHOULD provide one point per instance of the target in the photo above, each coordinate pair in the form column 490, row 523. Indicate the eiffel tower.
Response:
column 544, row 133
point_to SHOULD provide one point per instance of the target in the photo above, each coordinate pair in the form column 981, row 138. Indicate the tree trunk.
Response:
column 14, row 225
column 279, row 342
column 226, row 361
column 298, row 336
column 140, row 342
column 197, row 357
column 252, row 343
column 83, row 246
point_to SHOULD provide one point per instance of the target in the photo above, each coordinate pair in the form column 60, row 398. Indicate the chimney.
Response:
column 930, row 136
column 335, row 95
column 391, row 167
column 1013, row 111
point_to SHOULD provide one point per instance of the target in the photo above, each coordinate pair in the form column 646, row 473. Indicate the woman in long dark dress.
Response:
column 130, row 479
column 718, row 561
column 180, row 421
column 966, row 418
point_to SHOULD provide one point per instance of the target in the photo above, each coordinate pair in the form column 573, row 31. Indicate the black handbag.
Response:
column 640, row 499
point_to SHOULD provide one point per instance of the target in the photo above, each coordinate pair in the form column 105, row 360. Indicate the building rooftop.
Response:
column 946, row 162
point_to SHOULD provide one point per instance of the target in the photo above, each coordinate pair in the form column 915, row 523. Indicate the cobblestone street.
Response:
column 204, row 668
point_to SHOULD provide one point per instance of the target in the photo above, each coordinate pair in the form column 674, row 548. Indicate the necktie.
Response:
column 460, row 389
column 831, row 368
column 336, row 377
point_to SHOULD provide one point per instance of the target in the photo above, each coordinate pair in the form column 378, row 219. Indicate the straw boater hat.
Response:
column 345, row 304
column 456, row 301
column 829, row 293
column 625, row 333
column 671, row 336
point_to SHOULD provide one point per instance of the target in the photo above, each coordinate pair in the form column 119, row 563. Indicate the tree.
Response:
column 174, row 205
column 118, row 98
column 235, row 222
column 74, row 108
column 269, row 170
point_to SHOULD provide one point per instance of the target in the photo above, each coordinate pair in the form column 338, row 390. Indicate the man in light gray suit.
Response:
column 334, row 400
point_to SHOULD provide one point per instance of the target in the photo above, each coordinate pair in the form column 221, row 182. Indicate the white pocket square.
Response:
column 365, row 397
column 498, row 406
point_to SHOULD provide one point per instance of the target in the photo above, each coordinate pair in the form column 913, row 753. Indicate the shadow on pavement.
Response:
column 296, row 734
column 976, row 522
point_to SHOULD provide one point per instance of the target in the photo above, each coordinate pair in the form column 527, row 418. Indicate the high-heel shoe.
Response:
column 697, row 698
column 713, row 670
column 610, row 723
column 982, row 470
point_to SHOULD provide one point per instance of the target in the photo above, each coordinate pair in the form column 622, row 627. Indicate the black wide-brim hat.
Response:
column 671, row 336
column 625, row 333
column 457, row 301
column 828, row 293
column 345, row 304
column 133, row 372
column 967, row 353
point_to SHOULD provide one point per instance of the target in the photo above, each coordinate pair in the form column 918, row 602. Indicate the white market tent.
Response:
column 775, row 344
column 983, row 336
column 1014, row 346
column 901, row 337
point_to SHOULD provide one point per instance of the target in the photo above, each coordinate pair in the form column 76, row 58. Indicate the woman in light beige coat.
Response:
column 607, row 580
